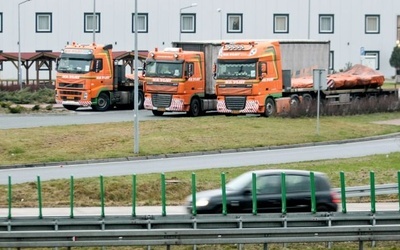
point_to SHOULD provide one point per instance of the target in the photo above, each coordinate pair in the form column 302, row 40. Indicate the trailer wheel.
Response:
column 103, row 102
column 294, row 101
column 157, row 113
column 270, row 107
column 195, row 108
column 71, row 107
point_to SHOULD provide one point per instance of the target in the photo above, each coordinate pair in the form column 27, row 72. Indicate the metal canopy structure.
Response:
column 43, row 61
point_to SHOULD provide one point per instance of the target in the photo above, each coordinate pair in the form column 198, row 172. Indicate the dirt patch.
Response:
column 390, row 122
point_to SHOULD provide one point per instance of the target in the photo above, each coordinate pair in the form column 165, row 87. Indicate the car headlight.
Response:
column 202, row 203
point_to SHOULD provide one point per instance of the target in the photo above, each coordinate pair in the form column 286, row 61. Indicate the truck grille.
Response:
column 235, row 102
column 161, row 100
column 70, row 85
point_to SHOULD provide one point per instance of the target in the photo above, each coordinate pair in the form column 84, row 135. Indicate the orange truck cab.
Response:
column 176, row 81
column 88, row 76
column 249, row 78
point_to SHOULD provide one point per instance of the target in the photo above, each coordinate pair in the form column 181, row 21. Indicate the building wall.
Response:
column 164, row 25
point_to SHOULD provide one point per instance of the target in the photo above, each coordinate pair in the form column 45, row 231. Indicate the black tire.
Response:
column 294, row 101
column 157, row 113
column 103, row 102
column 195, row 108
column 270, row 107
column 71, row 107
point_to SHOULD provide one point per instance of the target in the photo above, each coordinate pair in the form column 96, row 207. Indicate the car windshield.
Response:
column 236, row 70
column 164, row 69
column 73, row 65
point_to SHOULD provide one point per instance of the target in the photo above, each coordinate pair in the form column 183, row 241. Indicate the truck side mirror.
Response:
column 98, row 65
column 144, row 69
column 189, row 70
column 262, row 69
column 214, row 71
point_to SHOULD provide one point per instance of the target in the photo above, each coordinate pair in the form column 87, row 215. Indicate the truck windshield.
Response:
column 236, row 70
column 164, row 69
column 73, row 65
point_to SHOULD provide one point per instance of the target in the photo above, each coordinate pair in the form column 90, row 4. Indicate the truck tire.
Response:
column 71, row 107
column 157, row 113
column 103, row 102
column 270, row 107
column 195, row 108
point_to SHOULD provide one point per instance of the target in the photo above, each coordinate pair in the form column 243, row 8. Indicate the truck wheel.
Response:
column 195, row 108
column 103, row 102
column 70, row 107
column 307, row 100
column 157, row 113
column 294, row 101
column 270, row 108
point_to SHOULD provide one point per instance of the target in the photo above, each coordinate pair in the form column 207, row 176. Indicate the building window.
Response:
column 188, row 23
column 372, row 54
column 331, row 60
column 235, row 23
column 1, row 66
column 281, row 23
column 372, row 24
column 326, row 24
column 1, row 22
column 43, row 22
column 89, row 22
column 142, row 25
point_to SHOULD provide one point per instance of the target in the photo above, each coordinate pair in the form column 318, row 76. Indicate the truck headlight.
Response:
column 85, row 95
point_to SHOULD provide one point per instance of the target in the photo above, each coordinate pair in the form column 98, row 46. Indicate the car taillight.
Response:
column 335, row 197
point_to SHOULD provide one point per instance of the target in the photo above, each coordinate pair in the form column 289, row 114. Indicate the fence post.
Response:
column 9, row 197
column 313, row 200
column 71, row 196
column 163, row 196
column 398, row 186
column 133, row 195
column 39, row 197
column 372, row 181
column 194, row 208
column 102, row 195
column 254, row 192
column 224, row 212
column 343, row 192
column 283, row 193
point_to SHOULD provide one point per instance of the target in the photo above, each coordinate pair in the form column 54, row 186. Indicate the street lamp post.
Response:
column 19, row 45
column 180, row 19
column 220, row 23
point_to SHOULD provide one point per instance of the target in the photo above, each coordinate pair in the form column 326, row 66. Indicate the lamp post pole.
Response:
column 19, row 45
column 180, row 19
column 220, row 23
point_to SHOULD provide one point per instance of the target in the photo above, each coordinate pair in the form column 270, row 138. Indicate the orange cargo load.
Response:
column 357, row 76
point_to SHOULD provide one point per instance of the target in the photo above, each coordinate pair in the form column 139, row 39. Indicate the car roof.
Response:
column 286, row 171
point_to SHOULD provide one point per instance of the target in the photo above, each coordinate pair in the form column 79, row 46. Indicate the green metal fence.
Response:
column 223, row 191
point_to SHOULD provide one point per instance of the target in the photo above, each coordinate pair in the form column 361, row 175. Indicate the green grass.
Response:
column 210, row 133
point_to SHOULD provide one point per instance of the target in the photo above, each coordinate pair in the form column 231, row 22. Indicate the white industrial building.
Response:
column 354, row 27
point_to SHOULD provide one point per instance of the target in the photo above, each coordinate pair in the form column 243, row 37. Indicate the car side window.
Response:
column 297, row 183
column 269, row 184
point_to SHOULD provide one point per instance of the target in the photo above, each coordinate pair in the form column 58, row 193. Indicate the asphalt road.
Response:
column 80, row 116
column 196, row 161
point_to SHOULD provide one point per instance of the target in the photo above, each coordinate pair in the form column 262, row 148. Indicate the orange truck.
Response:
column 267, row 77
column 178, row 80
column 88, row 75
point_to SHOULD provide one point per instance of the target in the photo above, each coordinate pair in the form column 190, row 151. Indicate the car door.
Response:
column 269, row 193
column 298, row 194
